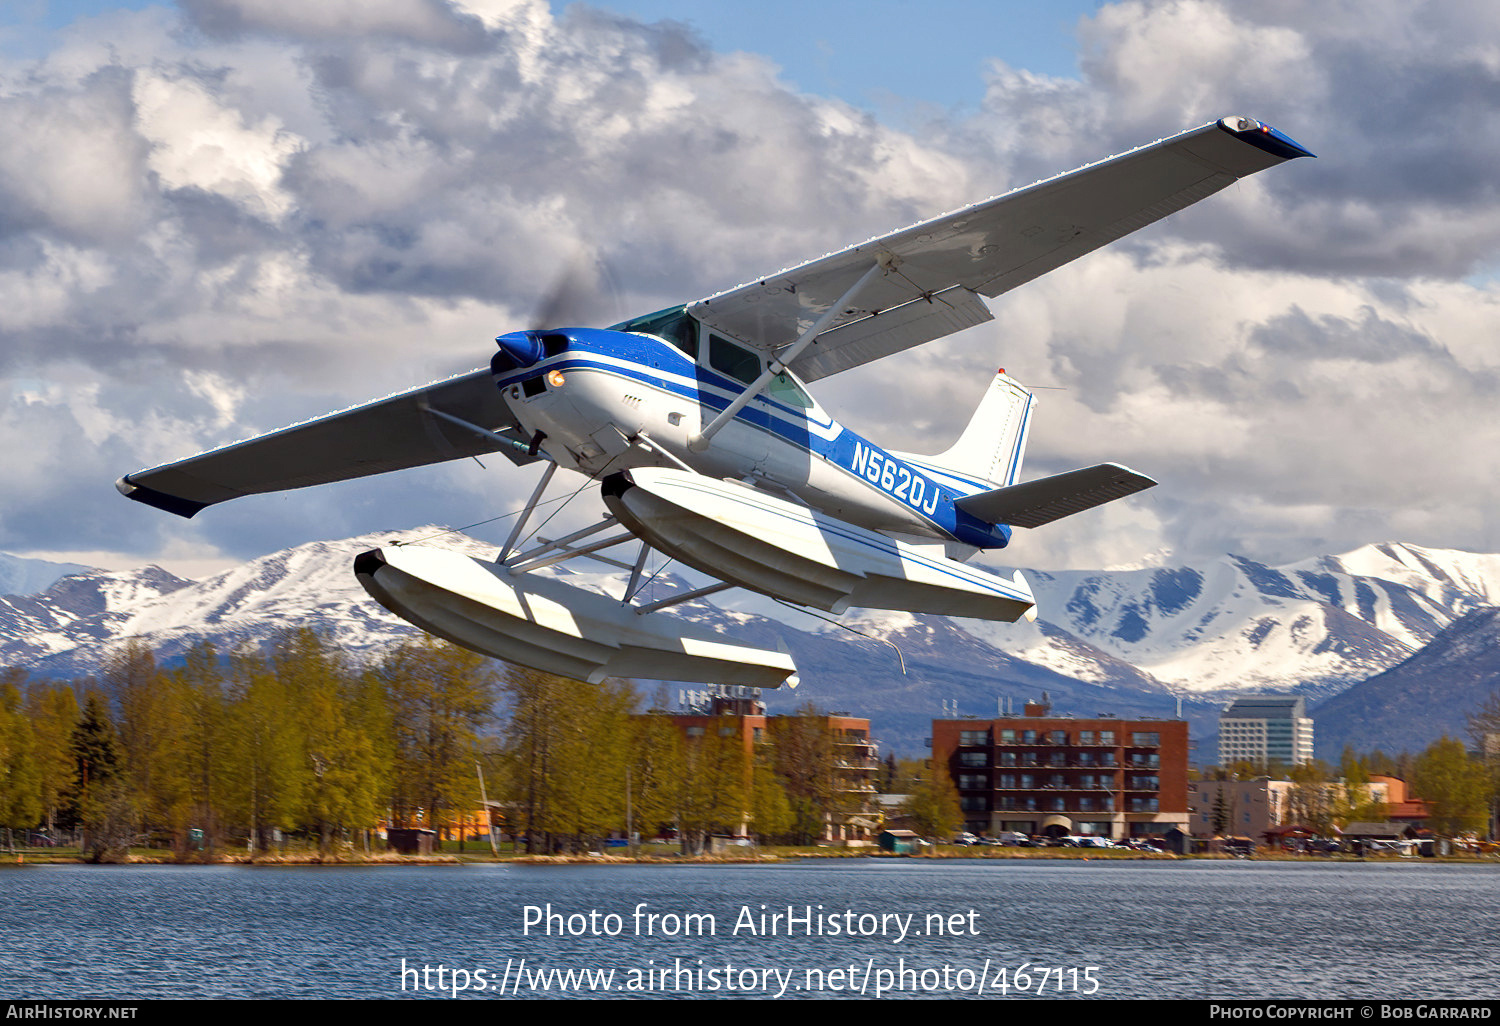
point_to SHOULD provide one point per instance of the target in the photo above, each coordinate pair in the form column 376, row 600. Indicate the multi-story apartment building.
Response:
column 847, row 769
column 854, row 819
column 1265, row 730
column 1042, row 774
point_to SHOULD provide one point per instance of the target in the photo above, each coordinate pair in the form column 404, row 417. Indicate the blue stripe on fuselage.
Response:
column 908, row 485
column 662, row 366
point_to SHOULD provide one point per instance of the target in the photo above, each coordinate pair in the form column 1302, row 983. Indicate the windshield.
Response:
column 672, row 325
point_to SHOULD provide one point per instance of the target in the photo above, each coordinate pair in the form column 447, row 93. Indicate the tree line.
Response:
column 245, row 749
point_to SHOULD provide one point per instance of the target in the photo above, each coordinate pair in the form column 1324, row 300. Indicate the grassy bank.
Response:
column 658, row 854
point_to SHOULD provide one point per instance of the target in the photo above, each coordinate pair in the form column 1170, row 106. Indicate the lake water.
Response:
column 894, row 928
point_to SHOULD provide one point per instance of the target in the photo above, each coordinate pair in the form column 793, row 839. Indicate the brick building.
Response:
column 1043, row 774
column 851, row 817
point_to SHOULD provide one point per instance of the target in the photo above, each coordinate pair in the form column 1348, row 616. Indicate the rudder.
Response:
column 994, row 443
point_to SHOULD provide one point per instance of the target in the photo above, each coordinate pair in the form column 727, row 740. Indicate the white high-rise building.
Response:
column 1265, row 729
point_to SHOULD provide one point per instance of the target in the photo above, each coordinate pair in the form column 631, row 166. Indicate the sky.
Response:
column 218, row 217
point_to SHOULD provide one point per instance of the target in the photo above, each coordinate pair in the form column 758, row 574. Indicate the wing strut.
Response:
column 645, row 441
column 475, row 429
column 698, row 441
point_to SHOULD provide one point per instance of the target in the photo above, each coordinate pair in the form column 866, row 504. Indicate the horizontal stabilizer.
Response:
column 396, row 433
column 1040, row 502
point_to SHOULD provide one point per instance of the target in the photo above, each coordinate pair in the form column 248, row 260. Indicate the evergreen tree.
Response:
column 94, row 754
column 1222, row 814
column 100, row 800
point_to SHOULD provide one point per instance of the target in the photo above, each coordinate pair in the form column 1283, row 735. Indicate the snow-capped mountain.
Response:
column 78, row 615
column 66, row 629
column 1450, row 578
column 20, row 576
column 1127, row 641
column 1314, row 626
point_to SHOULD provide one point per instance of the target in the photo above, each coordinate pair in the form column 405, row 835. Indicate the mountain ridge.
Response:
column 1138, row 642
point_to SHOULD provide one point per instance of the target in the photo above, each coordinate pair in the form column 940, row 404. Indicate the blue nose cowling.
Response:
column 522, row 347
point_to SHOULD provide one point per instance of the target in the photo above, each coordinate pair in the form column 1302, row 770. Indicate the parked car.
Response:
column 1088, row 841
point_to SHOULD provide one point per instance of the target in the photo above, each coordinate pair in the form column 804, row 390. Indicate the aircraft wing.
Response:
column 394, row 433
column 936, row 271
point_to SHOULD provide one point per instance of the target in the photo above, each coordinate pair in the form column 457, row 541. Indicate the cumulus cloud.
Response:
column 73, row 166
column 222, row 219
column 433, row 23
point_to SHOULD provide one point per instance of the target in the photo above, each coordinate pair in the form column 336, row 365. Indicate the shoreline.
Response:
column 22, row 860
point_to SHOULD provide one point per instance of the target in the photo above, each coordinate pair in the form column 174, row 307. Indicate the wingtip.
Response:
column 1126, row 474
column 1262, row 135
column 186, row 508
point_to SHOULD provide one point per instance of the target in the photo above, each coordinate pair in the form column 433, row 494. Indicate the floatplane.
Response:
column 707, row 447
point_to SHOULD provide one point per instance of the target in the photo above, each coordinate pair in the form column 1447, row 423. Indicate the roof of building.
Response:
column 1392, row 830
column 1266, row 707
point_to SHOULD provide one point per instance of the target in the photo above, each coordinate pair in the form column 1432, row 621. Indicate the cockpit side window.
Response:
column 727, row 358
column 785, row 390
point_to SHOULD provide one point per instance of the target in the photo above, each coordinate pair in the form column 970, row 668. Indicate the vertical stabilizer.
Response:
column 992, row 446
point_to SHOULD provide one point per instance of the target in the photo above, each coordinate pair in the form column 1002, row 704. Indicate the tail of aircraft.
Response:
column 985, row 463
column 989, row 452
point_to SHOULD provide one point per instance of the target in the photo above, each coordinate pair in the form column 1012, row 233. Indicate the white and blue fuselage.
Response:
column 591, row 396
